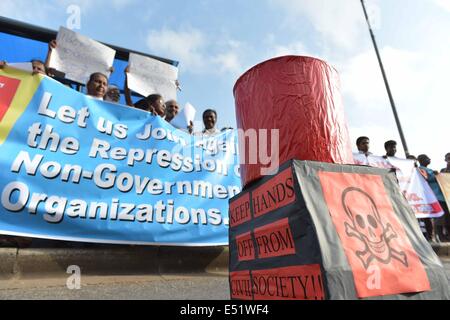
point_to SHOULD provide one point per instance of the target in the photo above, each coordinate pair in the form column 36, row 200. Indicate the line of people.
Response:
column 98, row 87
column 438, row 229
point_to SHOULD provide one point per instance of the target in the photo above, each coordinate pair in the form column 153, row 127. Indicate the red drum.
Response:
column 300, row 97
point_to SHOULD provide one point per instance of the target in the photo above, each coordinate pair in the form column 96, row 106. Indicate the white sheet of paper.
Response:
column 79, row 56
column 184, row 117
column 149, row 76
column 25, row 66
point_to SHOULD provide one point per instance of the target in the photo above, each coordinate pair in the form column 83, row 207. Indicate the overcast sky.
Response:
column 218, row 40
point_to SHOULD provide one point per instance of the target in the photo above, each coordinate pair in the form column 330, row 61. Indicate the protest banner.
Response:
column 75, row 168
column 78, row 56
column 412, row 184
column 149, row 76
column 371, row 160
column 318, row 231
column 444, row 182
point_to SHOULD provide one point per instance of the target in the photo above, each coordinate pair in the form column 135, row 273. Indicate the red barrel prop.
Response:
column 299, row 96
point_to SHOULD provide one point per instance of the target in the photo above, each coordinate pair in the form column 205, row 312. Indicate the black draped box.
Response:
column 323, row 231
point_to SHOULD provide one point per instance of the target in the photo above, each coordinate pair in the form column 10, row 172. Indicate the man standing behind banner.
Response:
column 442, row 223
column 209, row 120
column 391, row 148
column 363, row 145
column 447, row 159
column 172, row 109
column 97, row 86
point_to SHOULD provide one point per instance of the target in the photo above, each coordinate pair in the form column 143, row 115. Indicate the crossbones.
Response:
column 368, row 228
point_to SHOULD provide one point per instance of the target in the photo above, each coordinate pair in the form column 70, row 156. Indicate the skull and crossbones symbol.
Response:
column 366, row 225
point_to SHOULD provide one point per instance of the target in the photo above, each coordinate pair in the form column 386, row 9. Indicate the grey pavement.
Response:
column 190, row 287
column 446, row 263
column 157, row 287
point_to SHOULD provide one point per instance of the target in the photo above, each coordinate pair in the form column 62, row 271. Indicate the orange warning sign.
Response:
column 378, row 250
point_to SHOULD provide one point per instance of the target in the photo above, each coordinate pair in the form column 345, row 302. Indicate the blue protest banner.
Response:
column 75, row 168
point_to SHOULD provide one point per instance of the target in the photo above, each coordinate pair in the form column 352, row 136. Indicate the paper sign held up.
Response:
column 184, row 117
column 149, row 76
column 79, row 56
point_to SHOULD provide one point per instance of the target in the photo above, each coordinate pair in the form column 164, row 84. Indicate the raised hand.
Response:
column 52, row 45
column 190, row 127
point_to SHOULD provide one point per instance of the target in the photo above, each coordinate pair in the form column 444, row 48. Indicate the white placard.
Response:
column 184, row 117
column 79, row 56
column 149, row 76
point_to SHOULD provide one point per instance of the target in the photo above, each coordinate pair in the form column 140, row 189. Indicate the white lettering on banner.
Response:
column 66, row 114
column 71, row 149
column 164, row 158
column 9, row 190
column 160, row 134
column 56, row 207
column 105, row 176
column 68, row 145
column 108, row 127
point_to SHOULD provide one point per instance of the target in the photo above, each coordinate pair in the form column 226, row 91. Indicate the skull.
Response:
column 366, row 222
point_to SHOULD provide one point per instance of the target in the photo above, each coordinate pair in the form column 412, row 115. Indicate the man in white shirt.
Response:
column 209, row 120
column 363, row 145
column 391, row 149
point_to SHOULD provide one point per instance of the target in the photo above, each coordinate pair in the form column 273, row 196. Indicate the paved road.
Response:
column 446, row 263
column 213, row 287
column 121, row 288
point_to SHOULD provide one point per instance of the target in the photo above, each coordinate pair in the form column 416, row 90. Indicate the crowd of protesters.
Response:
column 98, row 87
column 435, row 229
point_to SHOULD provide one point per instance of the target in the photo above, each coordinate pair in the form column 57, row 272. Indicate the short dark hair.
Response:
column 209, row 110
column 360, row 139
column 448, row 154
column 91, row 78
column 153, row 98
column 389, row 143
column 142, row 105
column 422, row 157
